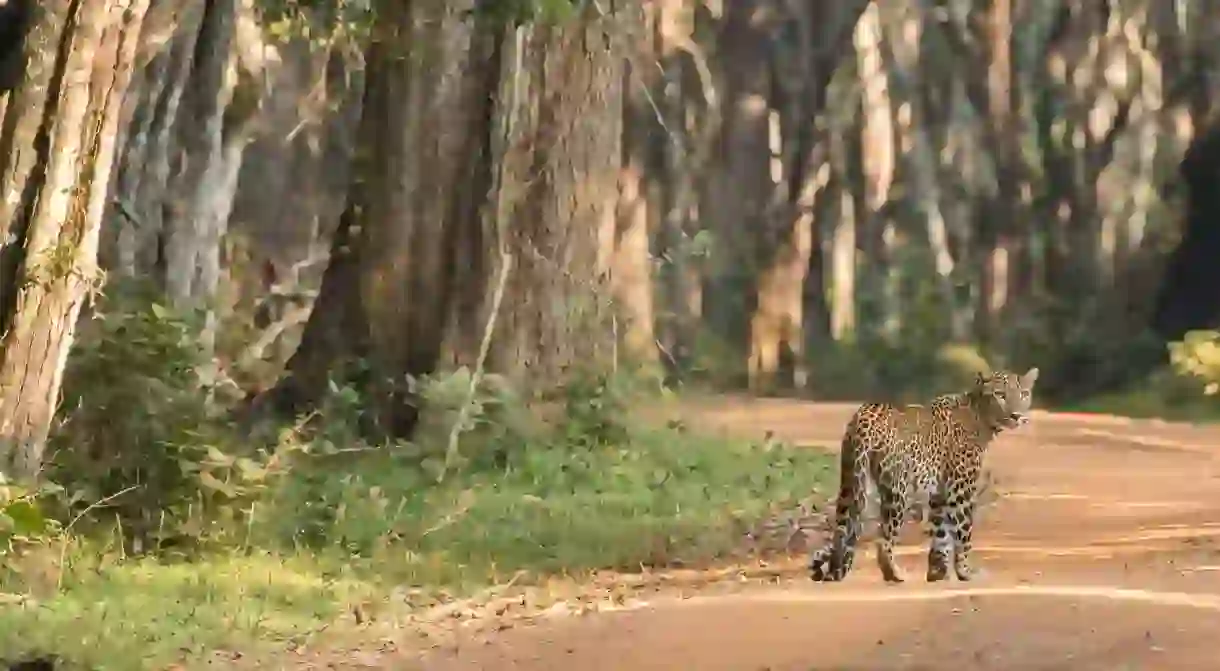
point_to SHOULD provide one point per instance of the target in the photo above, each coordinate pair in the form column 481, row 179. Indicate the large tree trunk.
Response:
column 905, row 33
column 291, row 192
column 386, row 295
column 135, row 246
column 557, row 198
column 682, row 143
column 58, row 148
column 213, row 136
column 995, row 224
column 542, row 109
column 186, row 127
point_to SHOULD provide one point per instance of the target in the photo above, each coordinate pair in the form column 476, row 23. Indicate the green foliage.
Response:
column 23, row 525
column 596, row 408
column 490, row 417
column 318, row 22
column 899, row 371
column 1198, row 356
column 20, row 516
column 141, row 438
column 902, row 352
column 1186, row 390
column 143, row 614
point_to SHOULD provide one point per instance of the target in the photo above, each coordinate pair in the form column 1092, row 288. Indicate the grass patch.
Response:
column 333, row 534
column 145, row 614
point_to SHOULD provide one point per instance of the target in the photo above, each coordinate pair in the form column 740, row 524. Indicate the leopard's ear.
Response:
column 1029, row 378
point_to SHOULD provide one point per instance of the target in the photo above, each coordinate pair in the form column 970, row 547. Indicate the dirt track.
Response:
column 1103, row 553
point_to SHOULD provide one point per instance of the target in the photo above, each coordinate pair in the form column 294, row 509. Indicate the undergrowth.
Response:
column 1187, row 390
column 163, row 535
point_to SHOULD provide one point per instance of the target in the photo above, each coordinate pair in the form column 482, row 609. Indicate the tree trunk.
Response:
column 842, row 282
column 544, row 110
column 291, row 192
column 386, row 296
column 66, row 120
column 631, row 267
column 922, row 165
column 741, row 188
column 686, row 102
column 187, row 130
column 557, row 199
column 134, row 246
column 777, row 325
column 995, row 225
column 631, row 261
column 204, row 188
column 15, row 17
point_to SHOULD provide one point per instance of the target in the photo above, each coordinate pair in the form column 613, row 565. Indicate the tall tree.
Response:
column 479, row 146
column 57, row 151
column 191, row 109
column 800, row 166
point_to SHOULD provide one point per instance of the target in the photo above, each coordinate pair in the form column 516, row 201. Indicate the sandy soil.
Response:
column 1103, row 553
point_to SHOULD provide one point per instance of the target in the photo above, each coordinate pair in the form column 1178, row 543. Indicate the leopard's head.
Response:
column 1005, row 398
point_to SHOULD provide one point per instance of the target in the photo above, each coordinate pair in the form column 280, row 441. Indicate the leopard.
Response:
column 935, row 450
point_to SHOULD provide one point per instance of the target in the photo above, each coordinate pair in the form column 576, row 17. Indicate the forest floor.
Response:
column 1102, row 552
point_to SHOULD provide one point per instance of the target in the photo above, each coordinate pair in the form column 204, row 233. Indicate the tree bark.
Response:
column 801, row 171
column 135, row 245
column 202, row 193
column 741, row 188
column 686, row 102
column 510, row 150
column 630, row 248
column 187, row 126
column 995, row 224
column 564, row 162
column 69, row 114
column 386, row 295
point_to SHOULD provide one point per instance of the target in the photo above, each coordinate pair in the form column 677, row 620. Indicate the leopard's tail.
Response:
column 833, row 561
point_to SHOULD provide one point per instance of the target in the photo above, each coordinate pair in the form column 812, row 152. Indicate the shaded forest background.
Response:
column 453, row 232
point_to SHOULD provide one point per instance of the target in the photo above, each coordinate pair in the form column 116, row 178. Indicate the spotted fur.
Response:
column 936, row 450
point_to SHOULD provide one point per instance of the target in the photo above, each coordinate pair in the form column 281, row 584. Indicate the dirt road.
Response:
column 1103, row 553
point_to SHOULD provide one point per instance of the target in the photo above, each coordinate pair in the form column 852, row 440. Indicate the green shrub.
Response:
column 1198, row 356
column 142, row 437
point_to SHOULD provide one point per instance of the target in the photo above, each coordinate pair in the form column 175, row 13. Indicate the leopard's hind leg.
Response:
column 894, row 504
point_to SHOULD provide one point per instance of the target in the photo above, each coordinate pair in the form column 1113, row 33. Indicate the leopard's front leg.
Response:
column 940, row 546
column 960, row 514
column 963, row 526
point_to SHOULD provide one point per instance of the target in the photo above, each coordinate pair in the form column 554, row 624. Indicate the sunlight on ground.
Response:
column 143, row 614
